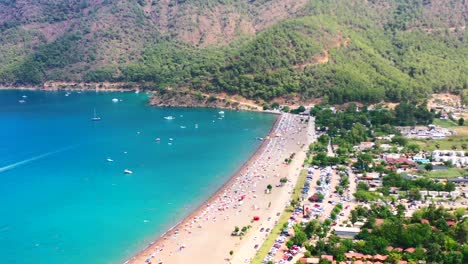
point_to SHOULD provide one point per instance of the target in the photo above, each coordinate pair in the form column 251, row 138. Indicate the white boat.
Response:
column 95, row 117
column 67, row 94
column 110, row 160
column 221, row 112
column 170, row 139
column 169, row 117
column 126, row 171
column 183, row 127
column 196, row 125
column 24, row 96
column 22, row 101
column 115, row 100
column 158, row 139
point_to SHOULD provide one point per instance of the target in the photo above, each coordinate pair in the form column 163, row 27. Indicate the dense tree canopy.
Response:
column 339, row 50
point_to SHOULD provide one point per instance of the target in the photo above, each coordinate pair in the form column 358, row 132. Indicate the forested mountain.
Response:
column 342, row 50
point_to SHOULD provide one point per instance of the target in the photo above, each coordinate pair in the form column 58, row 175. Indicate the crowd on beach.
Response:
column 231, row 201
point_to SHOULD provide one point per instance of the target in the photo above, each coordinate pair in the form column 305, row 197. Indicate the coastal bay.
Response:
column 63, row 201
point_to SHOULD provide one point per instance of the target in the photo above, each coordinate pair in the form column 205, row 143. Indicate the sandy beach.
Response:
column 205, row 235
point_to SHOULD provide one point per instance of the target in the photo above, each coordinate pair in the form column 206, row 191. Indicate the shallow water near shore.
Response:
column 62, row 201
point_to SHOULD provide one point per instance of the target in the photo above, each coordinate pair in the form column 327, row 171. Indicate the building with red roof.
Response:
column 327, row 257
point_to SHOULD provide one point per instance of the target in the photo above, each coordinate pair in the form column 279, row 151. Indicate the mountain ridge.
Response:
column 258, row 49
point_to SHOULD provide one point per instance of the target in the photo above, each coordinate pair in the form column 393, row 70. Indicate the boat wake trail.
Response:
column 20, row 163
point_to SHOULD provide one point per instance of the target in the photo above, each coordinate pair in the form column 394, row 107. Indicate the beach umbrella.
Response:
column 256, row 218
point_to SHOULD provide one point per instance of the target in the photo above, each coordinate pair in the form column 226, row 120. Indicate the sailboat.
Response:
column 95, row 118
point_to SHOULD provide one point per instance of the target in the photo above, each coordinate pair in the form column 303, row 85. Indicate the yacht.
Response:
column 126, row 171
column 169, row 117
column 95, row 117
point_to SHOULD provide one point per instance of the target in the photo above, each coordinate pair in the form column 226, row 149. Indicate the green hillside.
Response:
column 342, row 50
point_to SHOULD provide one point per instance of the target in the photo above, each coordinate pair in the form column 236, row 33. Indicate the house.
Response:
column 347, row 232
column 400, row 161
column 359, row 224
column 309, row 260
column 459, row 181
column 366, row 145
column 380, row 257
column 327, row 257
column 353, row 256
column 385, row 147
column 451, row 222
column 410, row 250
column 420, row 158
column 379, row 221
column 458, row 158
column 398, row 249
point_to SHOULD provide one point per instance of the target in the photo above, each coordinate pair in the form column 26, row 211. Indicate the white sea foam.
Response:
column 26, row 161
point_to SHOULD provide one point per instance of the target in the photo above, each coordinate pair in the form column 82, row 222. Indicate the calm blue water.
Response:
column 61, row 201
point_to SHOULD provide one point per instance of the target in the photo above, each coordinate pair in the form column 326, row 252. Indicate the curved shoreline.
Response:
column 172, row 230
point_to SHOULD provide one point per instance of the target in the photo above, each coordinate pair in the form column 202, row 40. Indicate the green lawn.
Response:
column 445, row 123
column 449, row 173
column 270, row 240
column 459, row 141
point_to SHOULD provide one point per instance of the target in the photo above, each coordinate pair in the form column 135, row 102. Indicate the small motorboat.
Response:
column 196, row 125
column 115, row 100
column 221, row 112
column 169, row 117
column 110, row 160
column 158, row 139
column 126, row 171
column 22, row 101
column 24, row 96
column 170, row 139
column 183, row 127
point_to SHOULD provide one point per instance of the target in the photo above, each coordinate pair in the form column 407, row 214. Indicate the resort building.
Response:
column 458, row 158
column 347, row 232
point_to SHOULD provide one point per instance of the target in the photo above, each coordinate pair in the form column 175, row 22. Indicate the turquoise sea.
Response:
column 61, row 201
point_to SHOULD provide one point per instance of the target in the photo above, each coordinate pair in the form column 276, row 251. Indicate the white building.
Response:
column 458, row 158
column 347, row 232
